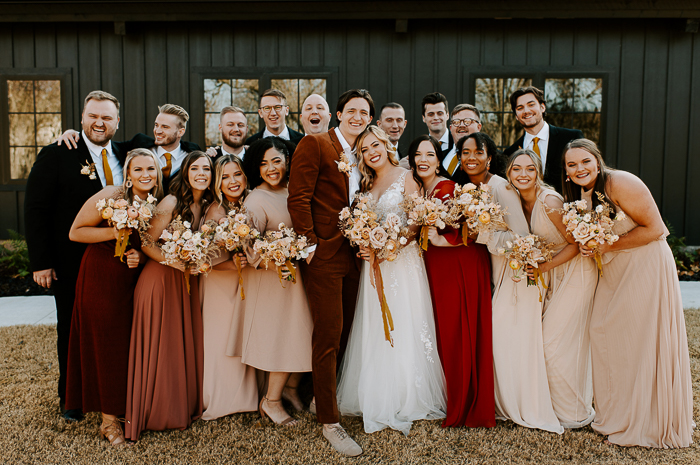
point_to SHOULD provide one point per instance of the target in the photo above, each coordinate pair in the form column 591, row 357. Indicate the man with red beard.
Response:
column 234, row 129
column 545, row 140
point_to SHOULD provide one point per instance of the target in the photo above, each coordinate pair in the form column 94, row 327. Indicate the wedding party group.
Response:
column 454, row 282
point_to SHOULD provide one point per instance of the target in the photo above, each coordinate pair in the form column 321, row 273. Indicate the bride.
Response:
column 391, row 386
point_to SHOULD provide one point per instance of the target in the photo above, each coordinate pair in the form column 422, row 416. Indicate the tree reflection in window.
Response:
column 35, row 121
column 220, row 93
column 575, row 103
column 492, row 100
column 297, row 90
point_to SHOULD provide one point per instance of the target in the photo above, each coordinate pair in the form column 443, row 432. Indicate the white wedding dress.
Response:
column 393, row 386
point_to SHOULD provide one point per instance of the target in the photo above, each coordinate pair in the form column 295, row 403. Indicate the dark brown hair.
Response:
column 413, row 148
column 182, row 190
column 351, row 94
column 483, row 142
column 434, row 98
column 255, row 154
column 539, row 95
column 571, row 190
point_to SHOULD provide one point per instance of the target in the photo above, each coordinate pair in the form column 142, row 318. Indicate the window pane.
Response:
column 559, row 94
column 510, row 86
column 217, row 94
column 562, row 120
column 512, row 130
column 491, row 125
column 48, row 96
column 48, row 128
column 21, row 161
column 489, row 94
column 253, row 123
column 589, row 123
column 290, row 88
column 22, row 130
column 211, row 130
column 588, row 95
column 245, row 95
column 20, row 96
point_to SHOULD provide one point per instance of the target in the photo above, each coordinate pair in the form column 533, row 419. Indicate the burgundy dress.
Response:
column 460, row 286
column 98, row 352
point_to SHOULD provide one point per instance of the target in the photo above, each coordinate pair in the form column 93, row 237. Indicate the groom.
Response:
column 318, row 191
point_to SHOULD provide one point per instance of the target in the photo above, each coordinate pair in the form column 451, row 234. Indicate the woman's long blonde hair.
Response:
column 535, row 160
column 368, row 174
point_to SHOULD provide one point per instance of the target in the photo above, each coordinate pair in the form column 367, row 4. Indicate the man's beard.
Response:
column 166, row 141
column 231, row 143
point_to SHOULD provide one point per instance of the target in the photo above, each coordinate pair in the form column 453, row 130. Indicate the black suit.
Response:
column 220, row 151
column 56, row 191
column 294, row 136
column 558, row 138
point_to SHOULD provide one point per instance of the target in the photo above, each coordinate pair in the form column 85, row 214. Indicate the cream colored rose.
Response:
column 145, row 212
column 187, row 235
column 119, row 216
column 378, row 237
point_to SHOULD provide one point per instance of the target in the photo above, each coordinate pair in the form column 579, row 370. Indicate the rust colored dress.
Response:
column 460, row 286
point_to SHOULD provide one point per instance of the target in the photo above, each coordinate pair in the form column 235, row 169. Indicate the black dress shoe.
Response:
column 72, row 414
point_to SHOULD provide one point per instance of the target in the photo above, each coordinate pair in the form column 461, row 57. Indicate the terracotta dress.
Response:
column 460, row 287
column 230, row 386
column 276, row 332
column 164, row 389
column 641, row 367
column 520, row 375
column 565, row 322
column 98, row 353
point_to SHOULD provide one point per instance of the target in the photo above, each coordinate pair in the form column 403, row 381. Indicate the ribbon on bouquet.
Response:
column 378, row 283
column 465, row 234
column 424, row 237
column 122, row 243
column 237, row 261
column 538, row 278
column 293, row 275
column 188, row 273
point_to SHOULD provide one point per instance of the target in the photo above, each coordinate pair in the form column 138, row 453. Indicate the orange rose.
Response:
column 514, row 264
column 485, row 218
column 242, row 230
column 592, row 244
column 107, row 213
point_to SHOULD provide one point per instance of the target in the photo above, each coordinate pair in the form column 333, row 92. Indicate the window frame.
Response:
column 264, row 75
column 64, row 75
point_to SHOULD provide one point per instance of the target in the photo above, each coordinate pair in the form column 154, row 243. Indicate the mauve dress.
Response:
column 98, row 351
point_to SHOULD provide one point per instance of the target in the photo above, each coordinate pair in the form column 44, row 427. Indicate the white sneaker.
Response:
column 340, row 440
column 312, row 406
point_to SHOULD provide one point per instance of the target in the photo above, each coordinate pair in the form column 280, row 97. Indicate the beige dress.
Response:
column 276, row 332
column 521, row 389
column 641, row 368
column 565, row 322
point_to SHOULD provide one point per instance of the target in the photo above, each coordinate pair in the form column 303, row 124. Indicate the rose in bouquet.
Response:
column 524, row 251
column 193, row 249
column 591, row 227
column 383, row 236
column 474, row 210
column 124, row 217
column 281, row 247
column 233, row 233
column 425, row 212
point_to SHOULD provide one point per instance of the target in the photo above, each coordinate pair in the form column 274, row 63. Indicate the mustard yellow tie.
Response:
column 535, row 147
column 108, row 172
column 168, row 165
column 453, row 165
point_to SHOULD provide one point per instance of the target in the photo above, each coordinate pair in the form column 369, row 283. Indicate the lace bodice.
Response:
column 390, row 200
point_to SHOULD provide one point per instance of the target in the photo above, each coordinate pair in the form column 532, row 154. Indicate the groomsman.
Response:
column 274, row 110
column 315, row 115
column 318, row 191
column 233, row 126
column 465, row 120
column 392, row 119
column 60, row 182
column 435, row 116
column 545, row 140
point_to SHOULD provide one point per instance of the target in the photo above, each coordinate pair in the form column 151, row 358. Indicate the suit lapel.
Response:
column 339, row 149
column 83, row 155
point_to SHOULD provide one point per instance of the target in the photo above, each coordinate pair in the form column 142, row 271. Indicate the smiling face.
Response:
column 199, row 174
column 273, row 111
column 435, row 117
column 474, row 160
column 464, row 123
column 273, row 168
column 393, row 121
column 143, row 173
column 373, row 152
column 233, row 182
column 354, row 118
column 581, row 167
column 427, row 162
column 523, row 173
column 315, row 115
column 528, row 111
column 167, row 130
column 100, row 121
column 234, row 129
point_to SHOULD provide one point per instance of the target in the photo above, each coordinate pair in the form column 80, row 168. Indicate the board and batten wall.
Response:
column 651, row 68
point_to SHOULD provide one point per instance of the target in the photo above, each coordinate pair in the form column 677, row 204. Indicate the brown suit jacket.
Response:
column 318, row 192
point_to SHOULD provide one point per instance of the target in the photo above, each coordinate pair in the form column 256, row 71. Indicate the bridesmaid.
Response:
column 521, row 386
column 229, row 385
column 567, row 305
column 641, row 368
column 164, row 390
column 460, row 285
column 101, row 326
column 276, row 334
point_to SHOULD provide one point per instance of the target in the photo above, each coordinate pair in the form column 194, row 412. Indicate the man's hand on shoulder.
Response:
column 69, row 138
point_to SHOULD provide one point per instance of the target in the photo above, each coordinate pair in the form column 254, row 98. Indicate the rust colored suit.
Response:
column 317, row 194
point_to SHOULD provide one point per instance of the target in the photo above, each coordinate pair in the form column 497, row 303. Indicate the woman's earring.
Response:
column 129, row 184
column 488, row 165
column 568, row 178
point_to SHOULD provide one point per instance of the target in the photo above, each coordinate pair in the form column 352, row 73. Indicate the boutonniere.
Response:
column 344, row 165
column 89, row 170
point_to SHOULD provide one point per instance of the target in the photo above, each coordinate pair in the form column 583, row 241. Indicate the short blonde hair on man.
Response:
column 101, row 95
column 230, row 109
column 171, row 109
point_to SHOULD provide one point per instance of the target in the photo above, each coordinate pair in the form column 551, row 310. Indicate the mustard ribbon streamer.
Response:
column 599, row 262
column 122, row 243
column 292, row 271
column 240, row 276
column 465, row 234
column 378, row 283
column 538, row 278
column 187, row 279
column 424, row 237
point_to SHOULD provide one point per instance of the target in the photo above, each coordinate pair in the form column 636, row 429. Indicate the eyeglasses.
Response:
column 464, row 122
column 268, row 108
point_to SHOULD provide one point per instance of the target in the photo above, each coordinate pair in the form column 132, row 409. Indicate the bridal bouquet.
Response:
column 281, row 247
column 475, row 209
column 233, row 233
column 425, row 212
column 194, row 249
column 363, row 226
column 124, row 217
column 528, row 250
column 591, row 227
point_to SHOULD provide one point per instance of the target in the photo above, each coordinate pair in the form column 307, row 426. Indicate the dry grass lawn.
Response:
column 31, row 431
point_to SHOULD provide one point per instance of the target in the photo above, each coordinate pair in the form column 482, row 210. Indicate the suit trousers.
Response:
column 64, row 294
column 331, row 289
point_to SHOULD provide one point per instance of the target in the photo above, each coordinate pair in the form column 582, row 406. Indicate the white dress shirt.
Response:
column 176, row 157
column 354, row 180
column 445, row 140
column 448, row 159
column 240, row 155
column 542, row 143
column 114, row 165
column 284, row 134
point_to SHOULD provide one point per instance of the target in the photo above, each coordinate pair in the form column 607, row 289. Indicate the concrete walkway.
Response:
column 41, row 310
